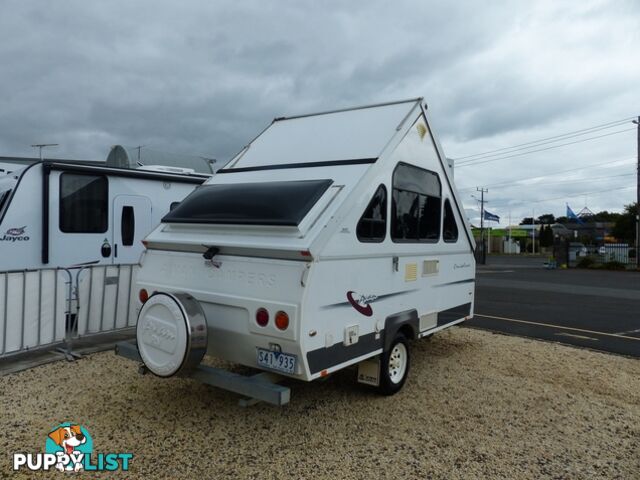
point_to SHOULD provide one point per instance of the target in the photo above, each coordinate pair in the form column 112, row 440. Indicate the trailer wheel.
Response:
column 394, row 366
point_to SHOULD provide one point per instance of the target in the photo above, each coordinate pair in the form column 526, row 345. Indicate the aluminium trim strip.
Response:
column 284, row 166
column 349, row 109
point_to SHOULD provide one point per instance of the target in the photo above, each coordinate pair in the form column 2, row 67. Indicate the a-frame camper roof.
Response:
column 354, row 134
column 345, row 150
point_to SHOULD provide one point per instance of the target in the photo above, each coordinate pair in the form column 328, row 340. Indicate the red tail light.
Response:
column 262, row 317
column 143, row 295
column 282, row 320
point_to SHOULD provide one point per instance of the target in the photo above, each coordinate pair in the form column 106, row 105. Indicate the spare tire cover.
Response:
column 171, row 334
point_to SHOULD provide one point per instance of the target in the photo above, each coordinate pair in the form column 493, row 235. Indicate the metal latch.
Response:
column 210, row 253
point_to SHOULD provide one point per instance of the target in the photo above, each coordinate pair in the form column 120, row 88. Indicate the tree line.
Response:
column 624, row 227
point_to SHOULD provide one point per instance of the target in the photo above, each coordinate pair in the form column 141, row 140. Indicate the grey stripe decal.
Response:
column 453, row 314
column 468, row 280
column 379, row 297
column 323, row 358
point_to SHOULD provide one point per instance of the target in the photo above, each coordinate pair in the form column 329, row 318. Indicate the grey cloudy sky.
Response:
column 204, row 77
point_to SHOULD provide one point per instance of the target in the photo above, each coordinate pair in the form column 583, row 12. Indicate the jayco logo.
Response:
column 69, row 448
column 15, row 235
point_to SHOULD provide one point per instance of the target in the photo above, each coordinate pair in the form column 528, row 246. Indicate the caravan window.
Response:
column 84, row 203
column 372, row 226
column 4, row 198
column 449, row 225
column 416, row 205
column 264, row 203
column 128, row 225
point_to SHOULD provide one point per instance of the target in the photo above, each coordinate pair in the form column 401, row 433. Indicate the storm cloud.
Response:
column 205, row 77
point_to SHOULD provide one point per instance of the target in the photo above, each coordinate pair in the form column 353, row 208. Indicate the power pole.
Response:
column 42, row 145
column 482, row 242
column 637, row 122
column 533, row 222
column 510, row 249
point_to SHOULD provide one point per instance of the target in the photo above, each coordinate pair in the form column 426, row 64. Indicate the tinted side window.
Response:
column 128, row 225
column 416, row 205
column 84, row 203
column 449, row 225
column 281, row 203
column 372, row 226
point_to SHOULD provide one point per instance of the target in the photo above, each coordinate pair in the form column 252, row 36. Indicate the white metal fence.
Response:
column 53, row 307
column 106, row 300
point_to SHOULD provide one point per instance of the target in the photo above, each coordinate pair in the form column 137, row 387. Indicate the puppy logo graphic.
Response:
column 69, row 443
column 361, row 302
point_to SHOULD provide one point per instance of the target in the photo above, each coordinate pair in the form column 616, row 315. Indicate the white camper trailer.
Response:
column 332, row 239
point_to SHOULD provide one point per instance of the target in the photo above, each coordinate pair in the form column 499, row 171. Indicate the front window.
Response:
column 267, row 203
column 416, row 205
column 449, row 225
column 84, row 203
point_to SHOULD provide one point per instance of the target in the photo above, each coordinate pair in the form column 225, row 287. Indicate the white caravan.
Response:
column 64, row 214
column 331, row 240
column 70, row 241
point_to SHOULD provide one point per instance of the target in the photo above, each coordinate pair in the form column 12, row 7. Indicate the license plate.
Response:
column 282, row 362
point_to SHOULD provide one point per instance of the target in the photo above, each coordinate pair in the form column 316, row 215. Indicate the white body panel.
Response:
column 315, row 272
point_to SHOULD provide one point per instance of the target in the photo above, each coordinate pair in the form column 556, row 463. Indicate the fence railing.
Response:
column 51, row 308
column 106, row 300
column 609, row 255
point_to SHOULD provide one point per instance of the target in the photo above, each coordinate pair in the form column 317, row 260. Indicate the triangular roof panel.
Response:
column 350, row 134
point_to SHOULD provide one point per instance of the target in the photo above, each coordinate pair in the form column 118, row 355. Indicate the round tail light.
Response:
column 262, row 317
column 143, row 295
column 282, row 320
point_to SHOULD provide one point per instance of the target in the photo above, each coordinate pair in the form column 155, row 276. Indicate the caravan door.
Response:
column 79, row 219
column 131, row 223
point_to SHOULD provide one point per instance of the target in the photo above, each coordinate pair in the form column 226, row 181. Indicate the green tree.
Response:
column 625, row 227
column 547, row 218
column 546, row 236
column 605, row 216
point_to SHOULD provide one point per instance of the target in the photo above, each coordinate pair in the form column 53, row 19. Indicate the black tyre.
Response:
column 394, row 366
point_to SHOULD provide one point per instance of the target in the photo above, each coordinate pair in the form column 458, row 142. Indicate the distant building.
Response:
column 589, row 232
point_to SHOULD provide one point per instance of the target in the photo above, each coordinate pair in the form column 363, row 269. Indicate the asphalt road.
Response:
column 588, row 308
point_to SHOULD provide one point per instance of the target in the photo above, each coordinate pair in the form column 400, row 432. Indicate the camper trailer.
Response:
column 63, row 214
column 331, row 240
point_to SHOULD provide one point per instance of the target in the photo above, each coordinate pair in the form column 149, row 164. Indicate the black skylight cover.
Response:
column 268, row 203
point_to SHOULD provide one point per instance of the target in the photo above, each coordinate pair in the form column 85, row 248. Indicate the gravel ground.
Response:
column 477, row 405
